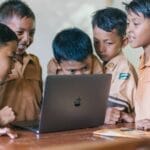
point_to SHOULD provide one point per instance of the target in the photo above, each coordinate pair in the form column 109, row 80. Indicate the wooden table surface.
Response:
column 30, row 140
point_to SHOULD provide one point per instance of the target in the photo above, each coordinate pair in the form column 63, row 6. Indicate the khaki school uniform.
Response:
column 23, row 90
column 123, row 84
column 142, row 100
column 96, row 66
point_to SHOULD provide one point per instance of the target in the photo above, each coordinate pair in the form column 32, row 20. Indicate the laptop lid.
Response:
column 74, row 101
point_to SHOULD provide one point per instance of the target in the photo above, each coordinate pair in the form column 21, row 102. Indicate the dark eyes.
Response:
column 32, row 33
column 135, row 23
column 96, row 42
column 19, row 33
column 73, row 71
column 106, row 43
column 85, row 68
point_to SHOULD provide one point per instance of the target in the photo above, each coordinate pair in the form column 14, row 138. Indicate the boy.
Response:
column 73, row 54
column 109, row 27
column 23, row 91
column 139, row 36
column 8, row 46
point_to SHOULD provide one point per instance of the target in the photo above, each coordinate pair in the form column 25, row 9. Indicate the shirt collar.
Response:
column 142, row 62
column 111, row 65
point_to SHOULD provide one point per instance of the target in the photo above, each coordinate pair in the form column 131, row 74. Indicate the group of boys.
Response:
column 21, row 81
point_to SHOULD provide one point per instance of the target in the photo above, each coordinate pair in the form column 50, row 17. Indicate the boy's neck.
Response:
column 147, row 53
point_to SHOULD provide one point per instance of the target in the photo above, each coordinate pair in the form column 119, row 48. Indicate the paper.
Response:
column 122, row 132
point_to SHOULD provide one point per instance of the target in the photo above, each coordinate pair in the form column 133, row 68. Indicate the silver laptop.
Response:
column 71, row 102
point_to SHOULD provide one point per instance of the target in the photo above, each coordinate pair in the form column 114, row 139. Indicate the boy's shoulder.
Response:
column 121, row 68
column 121, row 64
column 33, row 57
column 125, row 63
column 125, row 68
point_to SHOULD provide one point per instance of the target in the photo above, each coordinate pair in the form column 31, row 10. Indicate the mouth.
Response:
column 103, row 57
column 21, row 48
column 131, row 39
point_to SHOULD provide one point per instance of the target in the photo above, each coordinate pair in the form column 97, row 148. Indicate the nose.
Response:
column 79, row 72
column 26, row 38
column 101, row 48
column 129, row 28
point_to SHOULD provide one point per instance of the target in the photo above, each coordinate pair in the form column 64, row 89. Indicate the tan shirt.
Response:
column 142, row 100
column 96, row 66
column 123, row 84
column 23, row 91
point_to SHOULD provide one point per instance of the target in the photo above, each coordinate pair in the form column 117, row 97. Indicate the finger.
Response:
column 143, row 125
column 12, row 135
column 126, row 117
column 111, row 122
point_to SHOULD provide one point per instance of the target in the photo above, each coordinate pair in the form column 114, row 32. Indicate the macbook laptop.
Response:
column 71, row 102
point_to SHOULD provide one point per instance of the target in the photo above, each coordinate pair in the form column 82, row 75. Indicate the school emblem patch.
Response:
column 124, row 76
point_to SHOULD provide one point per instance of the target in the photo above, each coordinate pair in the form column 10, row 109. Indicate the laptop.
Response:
column 71, row 102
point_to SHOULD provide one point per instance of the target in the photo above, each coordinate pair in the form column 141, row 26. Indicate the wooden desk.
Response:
column 73, row 139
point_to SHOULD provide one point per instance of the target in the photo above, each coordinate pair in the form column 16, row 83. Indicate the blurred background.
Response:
column 55, row 15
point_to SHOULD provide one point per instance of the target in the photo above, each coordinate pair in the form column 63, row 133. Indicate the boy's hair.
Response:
column 139, row 6
column 15, row 7
column 109, row 19
column 6, row 35
column 72, row 44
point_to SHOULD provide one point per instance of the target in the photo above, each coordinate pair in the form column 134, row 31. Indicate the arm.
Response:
column 115, row 115
column 6, row 115
column 143, row 124
column 122, row 92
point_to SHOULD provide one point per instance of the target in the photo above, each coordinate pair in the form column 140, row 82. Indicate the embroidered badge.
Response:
column 124, row 76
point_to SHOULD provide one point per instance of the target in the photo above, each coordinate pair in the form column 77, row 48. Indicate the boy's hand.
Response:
column 9, row 132
column 115, row 115
column 143, row 124
column 6, row 115
column 13, row 75
column 125, row 117
column 112, row 115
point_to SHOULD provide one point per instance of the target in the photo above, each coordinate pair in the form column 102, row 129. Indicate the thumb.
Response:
column 126, row 117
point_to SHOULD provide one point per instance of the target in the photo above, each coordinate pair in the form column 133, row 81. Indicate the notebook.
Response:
column 71, row 102
column 122, row 132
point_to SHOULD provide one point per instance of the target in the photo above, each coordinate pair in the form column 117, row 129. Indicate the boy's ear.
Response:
column 57, row 64
column 53, row 67
column 125, row 41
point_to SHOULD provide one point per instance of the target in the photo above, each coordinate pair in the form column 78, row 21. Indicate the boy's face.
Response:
column 6, row 59
column 107, row 44
column 24, row 29
column 72, row 67
column 138, row 30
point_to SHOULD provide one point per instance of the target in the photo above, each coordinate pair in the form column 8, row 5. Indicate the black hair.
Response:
column 10, row 8
column 6, row 35
column 109, row 19
column 139, row 6
column 72, row 44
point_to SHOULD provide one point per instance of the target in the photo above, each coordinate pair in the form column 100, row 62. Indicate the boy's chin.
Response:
column 133, row 45
column 20, row 52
